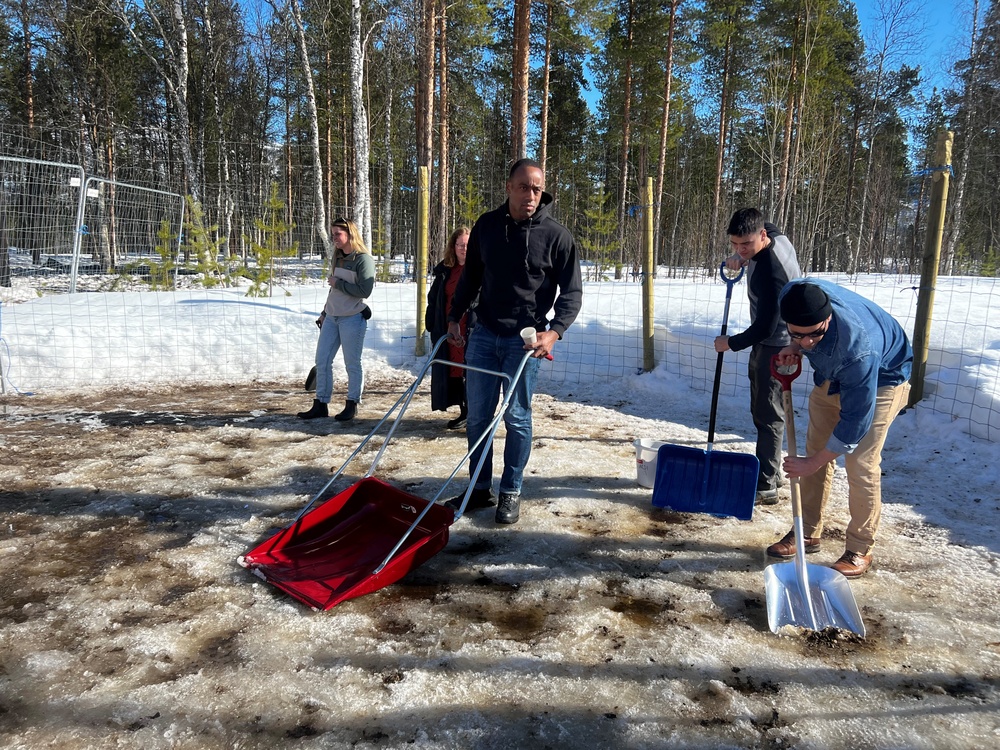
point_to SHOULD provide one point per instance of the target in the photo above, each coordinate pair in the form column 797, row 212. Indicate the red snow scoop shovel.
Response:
column 692, row 480
column 798, row 593
column 371, row 534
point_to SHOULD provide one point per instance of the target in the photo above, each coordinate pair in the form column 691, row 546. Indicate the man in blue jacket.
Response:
column 770, row 260
column 861, row 360
column 518, row 257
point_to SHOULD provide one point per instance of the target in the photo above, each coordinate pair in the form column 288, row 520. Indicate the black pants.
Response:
column 456, row 390
column 768, row 414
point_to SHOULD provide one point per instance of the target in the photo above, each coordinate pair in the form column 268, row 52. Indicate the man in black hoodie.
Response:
column 770, row 261
column 518, row 257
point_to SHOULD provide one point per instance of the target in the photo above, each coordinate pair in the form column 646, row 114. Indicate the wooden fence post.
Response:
column 931, row 260
column 648, row 266
column 423, row 243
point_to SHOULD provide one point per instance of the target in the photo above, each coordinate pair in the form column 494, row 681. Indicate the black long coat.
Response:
column 436, row 322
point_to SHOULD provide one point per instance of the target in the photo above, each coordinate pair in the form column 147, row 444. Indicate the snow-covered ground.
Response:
column 596, row 621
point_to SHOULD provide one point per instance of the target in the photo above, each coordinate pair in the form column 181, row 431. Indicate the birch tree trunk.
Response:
column 968, row 109
column 894, row 19
column 724, row 97
column 664, row 130
column 319, row 205
column 789, row 216
column 28, row 61
column 362, row 189
column 786, row 141
column 179, row 89
column 626, row 138
column 175, row 75
column 387, row 194
column 228, row 205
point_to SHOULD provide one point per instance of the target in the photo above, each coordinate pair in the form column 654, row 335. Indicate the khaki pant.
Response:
column 864, row 465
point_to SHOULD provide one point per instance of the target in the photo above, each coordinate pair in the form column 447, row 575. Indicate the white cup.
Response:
column 529, row 335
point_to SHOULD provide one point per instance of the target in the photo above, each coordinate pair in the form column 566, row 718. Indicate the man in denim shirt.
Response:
column 862, row 361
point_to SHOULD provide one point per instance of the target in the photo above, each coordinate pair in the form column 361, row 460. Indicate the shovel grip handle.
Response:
column 785, row 378
column 731, row 279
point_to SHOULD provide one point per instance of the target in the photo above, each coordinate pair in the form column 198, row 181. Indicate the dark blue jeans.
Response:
column 500, row 354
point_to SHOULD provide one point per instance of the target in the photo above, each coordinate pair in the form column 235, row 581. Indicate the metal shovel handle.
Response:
column 801, row 568
column 730, row 283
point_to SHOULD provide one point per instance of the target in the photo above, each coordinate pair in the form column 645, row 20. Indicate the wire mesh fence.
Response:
column 40, row 206
column 198, row 335
column 135, row 230
column 65, row 231
column 56, row 224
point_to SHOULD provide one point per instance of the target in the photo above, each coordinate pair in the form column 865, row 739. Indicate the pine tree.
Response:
column 469, row 204
column 161, row 275
column 201, row 243
column 598, row 237
column 273, row 230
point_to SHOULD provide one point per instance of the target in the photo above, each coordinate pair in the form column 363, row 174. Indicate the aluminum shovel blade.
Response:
column 824, row 601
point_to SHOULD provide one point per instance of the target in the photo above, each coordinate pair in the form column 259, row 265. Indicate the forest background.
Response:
column 327, row 109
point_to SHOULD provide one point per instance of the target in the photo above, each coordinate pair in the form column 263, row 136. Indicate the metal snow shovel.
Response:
column 799, row 593
column 692, row 480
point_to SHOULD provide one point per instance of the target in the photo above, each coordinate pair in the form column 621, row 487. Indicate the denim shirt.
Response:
column 863, row 350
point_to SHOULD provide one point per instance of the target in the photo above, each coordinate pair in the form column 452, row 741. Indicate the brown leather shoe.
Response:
column 852, row 565
column 785, row 547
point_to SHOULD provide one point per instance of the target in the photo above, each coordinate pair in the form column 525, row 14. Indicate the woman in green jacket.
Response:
column 344, row 320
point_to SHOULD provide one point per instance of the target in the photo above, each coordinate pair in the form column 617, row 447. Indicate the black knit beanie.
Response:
column 805, row 305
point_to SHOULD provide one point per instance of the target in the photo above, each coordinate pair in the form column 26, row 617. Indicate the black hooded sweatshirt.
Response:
column 516, row 267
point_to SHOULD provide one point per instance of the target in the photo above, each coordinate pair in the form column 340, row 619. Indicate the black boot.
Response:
column 508, row 508
column 318, row 410
column 349, row 411
column 458, row 422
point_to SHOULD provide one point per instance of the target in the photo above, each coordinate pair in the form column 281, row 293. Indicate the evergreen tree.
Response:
column 273, row 230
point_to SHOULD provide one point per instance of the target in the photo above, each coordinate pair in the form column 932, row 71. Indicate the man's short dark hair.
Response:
column 523, row 163
column 745, row 221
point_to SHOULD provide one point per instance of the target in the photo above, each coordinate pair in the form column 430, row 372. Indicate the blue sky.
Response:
column 943, row 26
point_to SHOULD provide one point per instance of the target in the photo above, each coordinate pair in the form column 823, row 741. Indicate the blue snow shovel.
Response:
column 691, row 480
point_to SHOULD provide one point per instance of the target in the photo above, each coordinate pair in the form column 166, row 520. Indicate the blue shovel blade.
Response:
column 694, row 480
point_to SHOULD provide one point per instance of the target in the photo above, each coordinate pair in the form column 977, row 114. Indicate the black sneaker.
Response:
column 479, row 499
column 509, row 508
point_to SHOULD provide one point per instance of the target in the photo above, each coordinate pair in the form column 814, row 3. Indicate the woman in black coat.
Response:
column 448, row 383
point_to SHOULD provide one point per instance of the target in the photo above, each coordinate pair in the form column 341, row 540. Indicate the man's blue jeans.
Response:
column 347, row 331
column 500, row 354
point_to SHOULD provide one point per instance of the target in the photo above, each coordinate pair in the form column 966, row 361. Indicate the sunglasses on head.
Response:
column 341, row 222
column 817, row 333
